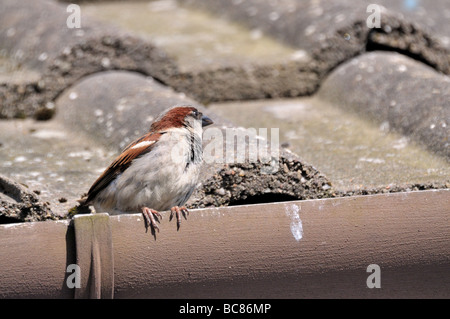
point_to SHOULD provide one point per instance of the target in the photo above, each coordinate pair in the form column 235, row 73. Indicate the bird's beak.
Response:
column 206, row 121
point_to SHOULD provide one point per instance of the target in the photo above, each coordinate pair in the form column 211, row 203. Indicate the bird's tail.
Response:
column 83, row 201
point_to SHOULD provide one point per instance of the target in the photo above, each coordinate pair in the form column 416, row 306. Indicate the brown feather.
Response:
column 121, row 163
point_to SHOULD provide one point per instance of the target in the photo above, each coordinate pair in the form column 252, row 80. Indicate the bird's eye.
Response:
column 195, row 113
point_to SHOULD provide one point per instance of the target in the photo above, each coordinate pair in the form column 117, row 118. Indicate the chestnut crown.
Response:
column 177, row 117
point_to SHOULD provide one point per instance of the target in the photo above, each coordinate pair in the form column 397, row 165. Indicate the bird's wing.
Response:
column 139, row 147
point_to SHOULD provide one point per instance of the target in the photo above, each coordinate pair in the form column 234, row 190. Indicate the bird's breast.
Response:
column 163, row 178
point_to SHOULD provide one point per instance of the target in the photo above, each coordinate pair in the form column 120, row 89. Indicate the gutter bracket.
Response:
column 94, row 256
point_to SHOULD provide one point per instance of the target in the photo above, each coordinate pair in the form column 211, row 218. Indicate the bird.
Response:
column 157, row 172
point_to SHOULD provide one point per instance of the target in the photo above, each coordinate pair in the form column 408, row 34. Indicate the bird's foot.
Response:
column 178, row 211
column 151, row 216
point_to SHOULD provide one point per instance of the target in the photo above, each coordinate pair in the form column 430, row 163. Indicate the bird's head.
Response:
column 179, row 117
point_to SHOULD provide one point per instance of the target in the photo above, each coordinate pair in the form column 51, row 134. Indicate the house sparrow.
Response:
column 156, row 172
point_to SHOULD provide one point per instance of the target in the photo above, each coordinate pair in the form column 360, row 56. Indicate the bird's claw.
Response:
column 178, row 212
column 151, row 216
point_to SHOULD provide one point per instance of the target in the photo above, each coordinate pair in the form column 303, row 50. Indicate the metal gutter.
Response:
column 302, row 249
